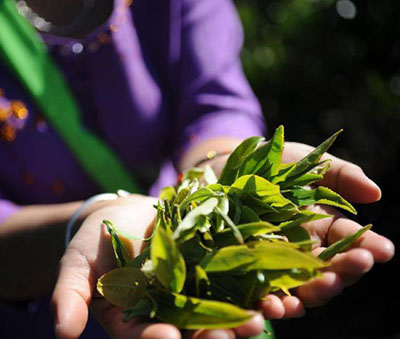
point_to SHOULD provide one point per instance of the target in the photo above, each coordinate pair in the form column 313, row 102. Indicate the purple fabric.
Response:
column 7, row 209
column 154, row 80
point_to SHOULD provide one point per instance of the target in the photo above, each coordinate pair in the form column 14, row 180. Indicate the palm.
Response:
column 90, row 255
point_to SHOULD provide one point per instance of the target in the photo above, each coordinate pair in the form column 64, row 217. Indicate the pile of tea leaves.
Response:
column 221, row 244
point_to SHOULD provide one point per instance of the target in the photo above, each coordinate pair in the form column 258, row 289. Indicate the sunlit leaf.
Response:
column 168, row 193
column 194, row 313
column 319, row 195
column 226, row 237
column 309, row 161
column 186, row 229
column 262, row 255
column 120, row 251
column 343, row 244
column 287, row 279
column 169, row 265
column 266, row 159
column 298, row 235
column 201, row 278
column 231, row 168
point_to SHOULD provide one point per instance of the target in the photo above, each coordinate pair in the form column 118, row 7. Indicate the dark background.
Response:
column 318, row 66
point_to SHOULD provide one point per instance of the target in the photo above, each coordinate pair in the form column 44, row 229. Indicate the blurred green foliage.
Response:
column 318, row 66
column 317, row 71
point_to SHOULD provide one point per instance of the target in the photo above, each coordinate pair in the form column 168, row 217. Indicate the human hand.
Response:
column 350, row 181
column 90, row 255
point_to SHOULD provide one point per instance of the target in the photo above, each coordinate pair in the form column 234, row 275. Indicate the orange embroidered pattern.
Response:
column 12, row 117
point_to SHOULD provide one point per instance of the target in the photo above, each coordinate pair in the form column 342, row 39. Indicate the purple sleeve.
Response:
column 7, row 208
column 214, row 98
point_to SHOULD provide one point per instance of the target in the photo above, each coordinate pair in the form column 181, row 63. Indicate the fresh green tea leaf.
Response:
column 168, row 262
column 266, row 159
column 309, row 161
column 298, row 235
column 248, row 215
column 143, row 308
column 226, row 237
column 139, row 260
column 319, row 195
column 122, row 286
column 343, row 244
column 302, row 218
column 261, row 255
column 209, row 175
column 235, row 232
column 283, row 173
column 168, row 193
column 201, row 278
column 120, row 251
column 187, row 228
column 194, row 313
column 287, row 279
column 231, row 168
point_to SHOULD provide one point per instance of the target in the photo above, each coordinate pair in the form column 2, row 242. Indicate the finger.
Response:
column 72, row 295
column 293, row 307
column 252, row 328
column 272, row 307
column 210, row 334
column 350, row 181
column 111, row 319
column 381, row 248
column 343, row 177
column 351, row 265
column 320, row 290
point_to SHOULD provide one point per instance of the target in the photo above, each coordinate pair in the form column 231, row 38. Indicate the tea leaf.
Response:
column 235, row 232
column 194, row 313
column 209, row 175
column 266, row 159
column 122, row 286
column 248, row 215
column 120, row 251
column 187, row 228
column 315, row 174
column 169, row 265
column 168, row 193
column 309, row 161
column 302, row 218
column 320, row 195
column 198, row 197
column 287, row 279
column 226, row 237
column 230, row 170
column 299, row 235
column 261, row 255
column 201, row 279
column 343, row 244
column 143, row 308
column 283, row 173
column 138, row 261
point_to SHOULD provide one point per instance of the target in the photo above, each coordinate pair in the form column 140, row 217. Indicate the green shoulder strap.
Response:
column 25, row 54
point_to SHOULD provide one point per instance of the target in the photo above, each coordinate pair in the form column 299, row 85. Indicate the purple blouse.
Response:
column 157, row 78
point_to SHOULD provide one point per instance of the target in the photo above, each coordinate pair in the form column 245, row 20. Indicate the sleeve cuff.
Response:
column 7, row 209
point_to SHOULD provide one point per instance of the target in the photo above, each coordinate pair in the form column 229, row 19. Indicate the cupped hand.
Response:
column 90, row 255
column 350, row 181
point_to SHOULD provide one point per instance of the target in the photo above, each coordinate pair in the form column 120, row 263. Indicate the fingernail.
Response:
column 375, row 185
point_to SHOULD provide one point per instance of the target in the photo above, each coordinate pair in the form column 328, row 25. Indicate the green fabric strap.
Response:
column 25, row 53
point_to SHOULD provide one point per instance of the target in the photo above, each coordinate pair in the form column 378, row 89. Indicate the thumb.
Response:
column 72, row 295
